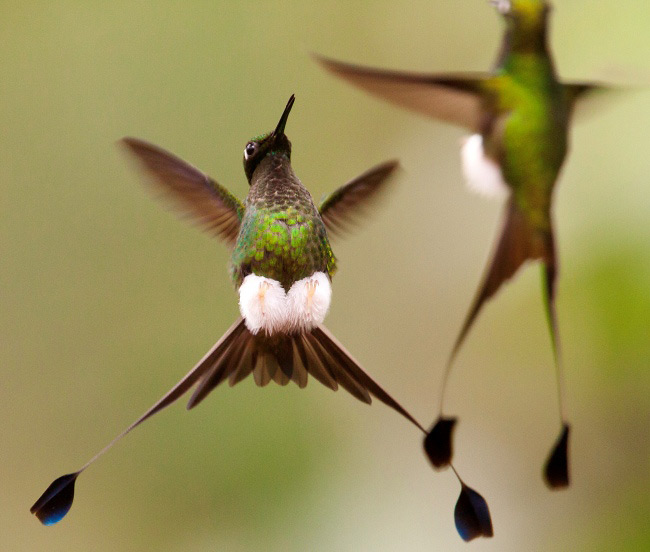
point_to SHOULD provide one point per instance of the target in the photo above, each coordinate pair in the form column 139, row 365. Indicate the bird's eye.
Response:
column 250, row 149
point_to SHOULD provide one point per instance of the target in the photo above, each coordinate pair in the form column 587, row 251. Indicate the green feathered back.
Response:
column 282, row 234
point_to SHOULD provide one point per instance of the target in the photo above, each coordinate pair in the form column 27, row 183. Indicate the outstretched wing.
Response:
column 454, row 98
column 587, row 98
column 214, row 207
column 343, row 207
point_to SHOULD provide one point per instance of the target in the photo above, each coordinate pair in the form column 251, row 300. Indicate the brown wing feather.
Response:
column 214, row 207
column 587, row 98
column 343, row 207
column 454, row 98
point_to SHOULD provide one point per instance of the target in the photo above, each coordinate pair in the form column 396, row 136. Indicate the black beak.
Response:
column 279, row 130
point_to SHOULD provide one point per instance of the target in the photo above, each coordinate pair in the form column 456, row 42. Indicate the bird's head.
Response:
column 525, row 14
column 525, row 23
column 274, row 143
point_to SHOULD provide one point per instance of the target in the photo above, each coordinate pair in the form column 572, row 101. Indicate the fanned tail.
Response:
column 281, row 358
column 284, row 358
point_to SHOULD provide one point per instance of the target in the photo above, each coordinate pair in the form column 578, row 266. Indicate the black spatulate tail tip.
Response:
column 556, row 471
column 55, row 502
column 438, row 442
column 472, row 515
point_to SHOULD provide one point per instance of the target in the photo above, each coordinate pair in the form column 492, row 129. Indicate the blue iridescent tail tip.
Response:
column 55, row 502
column 472, row 515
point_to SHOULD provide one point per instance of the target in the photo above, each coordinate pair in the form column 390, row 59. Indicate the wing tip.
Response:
column 323, row 60
column 130, row 142
column 342, row 68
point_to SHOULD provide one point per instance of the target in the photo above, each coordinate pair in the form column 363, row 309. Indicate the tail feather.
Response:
column 313, row 365
column 336, row 363
column 519, row 242
column 244, row 366
column 221, row 365
column 273, row 370
column 234, row 357
column 299, row 367
column 279, row 375
column 262, row 372
column 361, row 376
column 285, row 358
column 549, row 277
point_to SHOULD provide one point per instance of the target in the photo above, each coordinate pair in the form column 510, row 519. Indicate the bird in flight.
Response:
column 518, row 116
column 282, row 265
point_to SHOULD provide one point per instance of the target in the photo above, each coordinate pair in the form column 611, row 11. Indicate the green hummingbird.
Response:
column 519, row 116
column 282, row 264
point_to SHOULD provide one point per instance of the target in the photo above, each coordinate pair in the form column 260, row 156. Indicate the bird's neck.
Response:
column 522, row 46
column 274, row 182
column 525, row 55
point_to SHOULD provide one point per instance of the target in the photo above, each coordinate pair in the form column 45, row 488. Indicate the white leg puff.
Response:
column 482, row 174
column 308, row 301
column 266, row 307
column 263, row 304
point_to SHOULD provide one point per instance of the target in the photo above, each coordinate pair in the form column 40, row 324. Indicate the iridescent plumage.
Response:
column 282, row 263
column 519, row 115
column 282, row 235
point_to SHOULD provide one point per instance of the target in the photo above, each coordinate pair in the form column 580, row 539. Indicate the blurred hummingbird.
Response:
column 519, row 116
column 282, row 264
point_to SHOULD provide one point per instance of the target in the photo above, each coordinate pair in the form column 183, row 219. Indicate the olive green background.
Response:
column 107, row 299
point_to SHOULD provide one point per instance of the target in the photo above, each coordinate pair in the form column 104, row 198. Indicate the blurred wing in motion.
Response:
column 343, row 207
column 214, row 207
column 589, row 98
column 454, row 98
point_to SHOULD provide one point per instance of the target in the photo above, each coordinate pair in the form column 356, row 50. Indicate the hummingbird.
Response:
column 518, row 116
column 282, row 265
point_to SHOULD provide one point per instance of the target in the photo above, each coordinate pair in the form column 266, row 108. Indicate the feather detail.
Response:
column 341, row 209
column 308, row 302
column 454, row 98
column 263, row 305
column 266, row 307
column 215, row 208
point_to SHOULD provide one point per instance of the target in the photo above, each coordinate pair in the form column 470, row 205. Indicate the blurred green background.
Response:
column 107, row 299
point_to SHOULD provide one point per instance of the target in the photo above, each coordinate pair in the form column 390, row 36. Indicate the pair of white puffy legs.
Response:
column 266, row 306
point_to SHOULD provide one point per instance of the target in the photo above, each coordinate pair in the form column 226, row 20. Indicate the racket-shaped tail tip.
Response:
column 438, row 443
column 472, row 515
column 556, row 471
column 56, row 501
